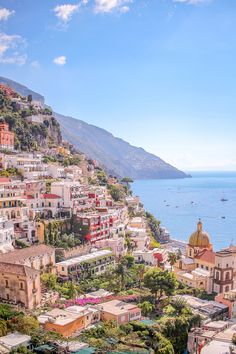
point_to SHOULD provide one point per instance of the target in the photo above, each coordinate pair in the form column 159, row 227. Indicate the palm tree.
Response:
column 140, row 269
column 121, row 272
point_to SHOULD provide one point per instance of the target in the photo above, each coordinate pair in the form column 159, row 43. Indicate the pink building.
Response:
column 119, row 311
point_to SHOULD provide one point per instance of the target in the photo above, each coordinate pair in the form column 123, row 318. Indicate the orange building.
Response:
column 63, row 322
column 6, row 137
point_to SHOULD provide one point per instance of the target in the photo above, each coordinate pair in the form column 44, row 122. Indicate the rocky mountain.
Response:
column 117, row 156
column 21, row 89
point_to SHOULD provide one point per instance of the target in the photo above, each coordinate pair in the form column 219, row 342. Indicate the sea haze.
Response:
column 179, row 203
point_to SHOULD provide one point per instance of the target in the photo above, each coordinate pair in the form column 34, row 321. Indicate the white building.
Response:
column 13, row 341
column 6, row 236
column 70, row 192
column 31, row 166
column 88, row 264
column 155, row 257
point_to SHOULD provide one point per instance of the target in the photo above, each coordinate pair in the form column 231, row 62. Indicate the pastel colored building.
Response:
column 30, row 165
column 228, row 299
column 155, row 257
column 196, row 269
column 62, row 321
column 98, row 224
column 225, row 268
column 6, row 236
column 197, row 278
column 119, row 311
column 85, row 265
column 20, row 284
column 13, row 341
column 116, row 244
column 69, row 191
column 6, row 137
column 40, row 257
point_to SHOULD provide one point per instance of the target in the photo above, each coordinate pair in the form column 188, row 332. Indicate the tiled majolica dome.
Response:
column 199, row 238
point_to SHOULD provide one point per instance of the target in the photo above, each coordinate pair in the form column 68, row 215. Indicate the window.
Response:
column 217, row 275
column 226, row 288
column 7, row 284
column 227, row 276
column 63, row 268
column 21, row 286
column 227, row 266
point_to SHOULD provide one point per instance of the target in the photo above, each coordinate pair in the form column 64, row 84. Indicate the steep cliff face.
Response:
column 117, row 156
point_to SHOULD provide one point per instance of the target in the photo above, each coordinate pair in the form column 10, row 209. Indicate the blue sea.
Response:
column 179, row 204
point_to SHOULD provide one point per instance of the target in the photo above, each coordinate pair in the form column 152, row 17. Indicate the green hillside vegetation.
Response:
column 28, row 136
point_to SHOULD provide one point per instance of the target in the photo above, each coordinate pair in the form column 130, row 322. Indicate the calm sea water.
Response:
column 178, row 204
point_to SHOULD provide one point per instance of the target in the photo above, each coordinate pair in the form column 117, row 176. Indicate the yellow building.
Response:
column 198, row 241
column 196, row 269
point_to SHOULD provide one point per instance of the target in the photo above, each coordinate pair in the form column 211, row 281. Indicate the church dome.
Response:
column 199, row 238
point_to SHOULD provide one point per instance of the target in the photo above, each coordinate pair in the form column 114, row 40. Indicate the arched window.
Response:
column 227, row 275
column 226, row 288
column 217, row 275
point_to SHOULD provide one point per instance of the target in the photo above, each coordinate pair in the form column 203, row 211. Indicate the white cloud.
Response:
column 124, row 9
column 35, row 64
column 60, row 60
column 66, row 11
column 5, row 14
column 11, row 49
column 106, row 6
column 192, row 2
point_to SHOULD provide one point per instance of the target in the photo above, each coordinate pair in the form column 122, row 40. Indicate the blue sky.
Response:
column 157, row 73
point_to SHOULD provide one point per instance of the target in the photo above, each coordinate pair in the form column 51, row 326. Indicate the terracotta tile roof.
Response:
column 19, row 256
column 206, row 256
column 18, row 269
column 50, row 196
